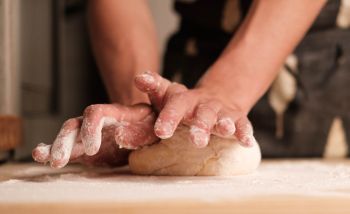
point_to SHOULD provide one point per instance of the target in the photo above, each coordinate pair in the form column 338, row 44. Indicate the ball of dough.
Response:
column 178, row 156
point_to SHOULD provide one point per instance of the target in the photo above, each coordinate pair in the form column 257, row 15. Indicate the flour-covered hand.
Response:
column 97, row 137
column 198, row 108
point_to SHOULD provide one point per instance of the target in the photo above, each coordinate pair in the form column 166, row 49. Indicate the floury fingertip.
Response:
column 41, row 153
column 146, row 81
column 226, row 126
column 199, row 136
column 163, row 130
column 247, row 141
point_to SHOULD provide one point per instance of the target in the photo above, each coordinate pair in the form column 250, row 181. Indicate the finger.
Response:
column 203, row 121
column 244, row 132
column 225, row 126
column 78, row 149
column 176, row 107
column 62, row 146
column 136, row 135
column 154, row 85
column 41, row 153
column 98, row 116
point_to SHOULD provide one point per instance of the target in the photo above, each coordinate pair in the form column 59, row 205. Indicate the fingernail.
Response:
column 163, row 130
column 147, row 80
column 227, row 126
column 199, row 136
column 247, row 141
column 41, row 153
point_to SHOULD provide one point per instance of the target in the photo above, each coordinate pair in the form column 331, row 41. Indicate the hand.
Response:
column 97, row 136
column 198, row 108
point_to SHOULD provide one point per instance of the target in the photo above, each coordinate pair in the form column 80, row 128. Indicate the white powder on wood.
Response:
column 35, row 183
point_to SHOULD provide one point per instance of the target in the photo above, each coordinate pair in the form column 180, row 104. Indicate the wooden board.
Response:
column 307, row 186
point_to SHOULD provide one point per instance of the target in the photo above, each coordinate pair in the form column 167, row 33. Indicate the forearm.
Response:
column 124, row 43
column 254, row 56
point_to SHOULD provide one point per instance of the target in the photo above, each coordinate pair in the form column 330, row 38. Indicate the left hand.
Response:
column 200, row 109
column 96, row 137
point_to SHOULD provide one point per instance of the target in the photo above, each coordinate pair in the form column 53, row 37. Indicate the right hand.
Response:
column 97, row 137
column 202, row 109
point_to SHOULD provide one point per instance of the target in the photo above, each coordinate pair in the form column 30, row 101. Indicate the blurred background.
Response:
column 48, row 73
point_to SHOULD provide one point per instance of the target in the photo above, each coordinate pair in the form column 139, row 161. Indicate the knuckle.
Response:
column 245, row 126
column 178, row 86
column 178, row 96
column 192, row 93
column 214, row 105
column 70, row 123
column 202, row 105
column 175, row 88
column 202, row 123
column 93, row 109
column 205, row 109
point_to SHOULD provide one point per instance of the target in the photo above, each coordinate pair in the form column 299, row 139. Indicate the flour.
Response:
column 93, row 137
column 42, row 152
column 34, row 183
column 148, row 81
column 199, row 136
column 227, row 124
column 163, row 129
column 62, row 147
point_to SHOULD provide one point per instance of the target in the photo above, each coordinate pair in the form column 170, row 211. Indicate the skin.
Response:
column 92, row 139
column 204, row 114
column 125, row 46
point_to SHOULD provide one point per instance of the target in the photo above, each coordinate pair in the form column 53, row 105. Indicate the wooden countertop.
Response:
column 288, row 186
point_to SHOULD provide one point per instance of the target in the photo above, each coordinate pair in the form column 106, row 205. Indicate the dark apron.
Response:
column 323, row 75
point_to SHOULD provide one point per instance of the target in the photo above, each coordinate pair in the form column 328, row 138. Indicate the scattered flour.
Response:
column 35, row 183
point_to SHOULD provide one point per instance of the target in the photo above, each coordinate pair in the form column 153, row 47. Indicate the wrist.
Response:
column 240, row 76
column 120, row 74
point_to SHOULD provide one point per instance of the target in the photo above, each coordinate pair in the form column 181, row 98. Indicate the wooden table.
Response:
column 288, row 186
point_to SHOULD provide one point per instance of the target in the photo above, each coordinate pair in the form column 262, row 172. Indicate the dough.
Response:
column 178, row 156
